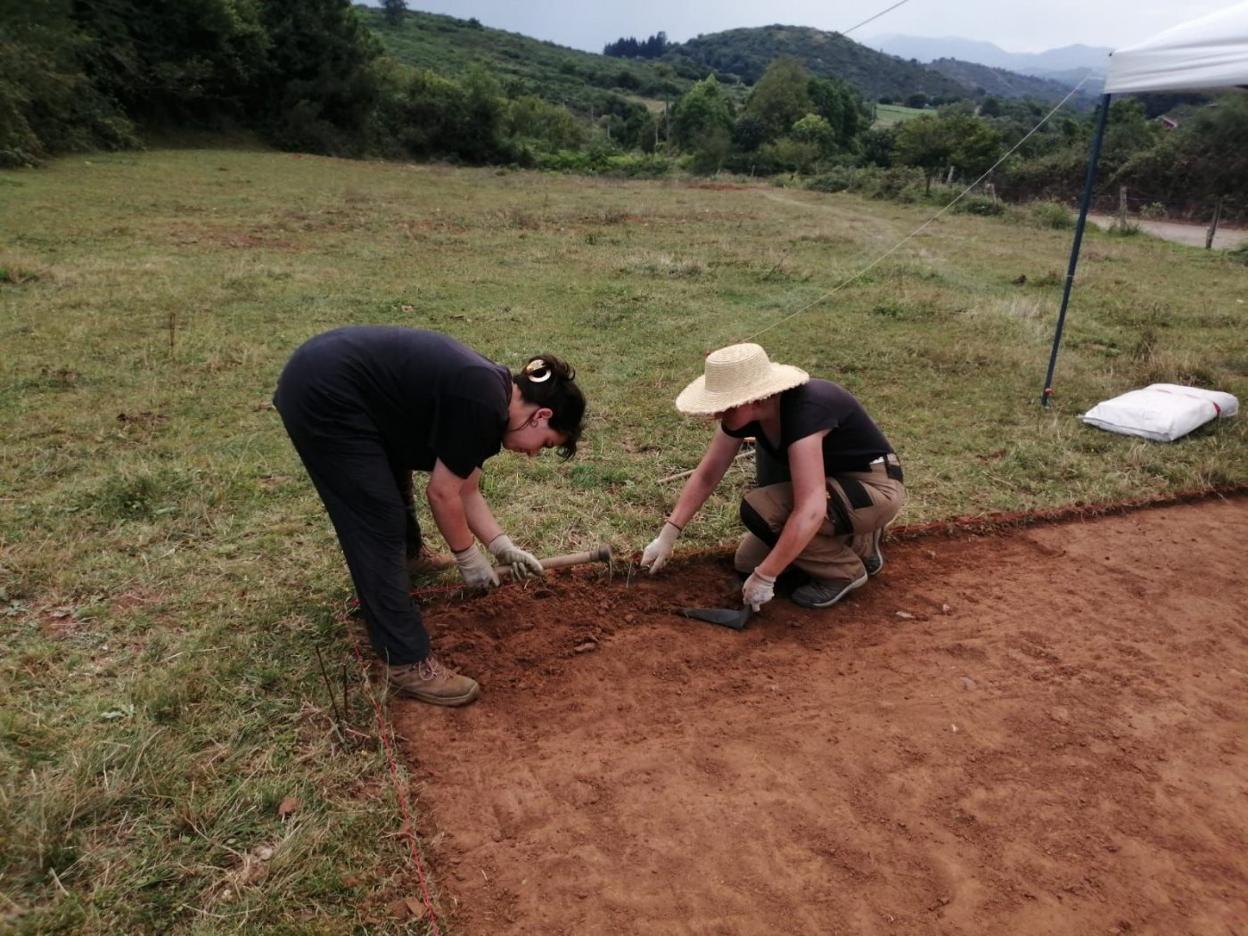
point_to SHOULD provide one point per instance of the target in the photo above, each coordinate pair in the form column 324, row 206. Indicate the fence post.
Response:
column 1213, row 228
column 1122, row 206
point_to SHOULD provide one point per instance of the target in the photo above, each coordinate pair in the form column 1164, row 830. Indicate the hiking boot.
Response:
column 428, row 562
column 875, row 561
column 823, row 593
column 430, row 681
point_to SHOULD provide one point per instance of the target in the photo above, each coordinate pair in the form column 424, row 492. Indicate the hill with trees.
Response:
column 581, row 81
column 998, row 82
column 654, row 69
column 651, row 68
column 746, row 53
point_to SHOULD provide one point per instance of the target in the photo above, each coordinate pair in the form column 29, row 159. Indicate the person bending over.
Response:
column 365, row 406
column 829, row 481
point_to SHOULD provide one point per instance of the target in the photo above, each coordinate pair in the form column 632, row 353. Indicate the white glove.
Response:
column 655, row 556
column 758, row 589
column 475, row 568
column 523, row 564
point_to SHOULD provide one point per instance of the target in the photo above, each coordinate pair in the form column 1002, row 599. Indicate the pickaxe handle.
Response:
column 601, row 553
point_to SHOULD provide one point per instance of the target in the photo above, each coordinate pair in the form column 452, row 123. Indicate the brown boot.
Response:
column 428, row 562
column 429, row 681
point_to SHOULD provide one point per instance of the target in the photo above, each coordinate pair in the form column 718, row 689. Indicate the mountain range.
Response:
column 1068, row 64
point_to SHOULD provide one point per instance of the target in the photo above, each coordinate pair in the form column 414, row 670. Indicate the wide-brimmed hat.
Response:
column 737, row 374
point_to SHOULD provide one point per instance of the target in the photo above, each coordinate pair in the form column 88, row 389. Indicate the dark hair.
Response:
column 551, row 382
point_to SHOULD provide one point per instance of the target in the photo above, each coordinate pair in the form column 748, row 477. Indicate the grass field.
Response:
column 886, row 115
column 166, row 572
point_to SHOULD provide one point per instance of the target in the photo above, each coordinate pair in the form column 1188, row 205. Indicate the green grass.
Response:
column 888, row 115
column 168, row 575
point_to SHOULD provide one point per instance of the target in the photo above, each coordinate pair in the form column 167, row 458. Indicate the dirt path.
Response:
column 1044, row 731
column 1191, row 234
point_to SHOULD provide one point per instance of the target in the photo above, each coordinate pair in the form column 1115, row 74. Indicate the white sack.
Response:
column 1161, row 412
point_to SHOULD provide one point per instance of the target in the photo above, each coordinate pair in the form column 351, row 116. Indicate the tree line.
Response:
column 629, row 47
column 1184, row 171
column 310, row 75
column 92, row 75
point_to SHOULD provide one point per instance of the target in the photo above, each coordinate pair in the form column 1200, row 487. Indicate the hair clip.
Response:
column 537, row 371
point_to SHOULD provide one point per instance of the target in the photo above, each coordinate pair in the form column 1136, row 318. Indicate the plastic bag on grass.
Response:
column 1161, row 412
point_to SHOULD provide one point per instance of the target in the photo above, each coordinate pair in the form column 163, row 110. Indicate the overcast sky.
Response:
column 1031, row 26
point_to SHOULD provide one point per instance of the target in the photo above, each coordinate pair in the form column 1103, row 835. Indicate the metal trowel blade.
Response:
column 722, row 616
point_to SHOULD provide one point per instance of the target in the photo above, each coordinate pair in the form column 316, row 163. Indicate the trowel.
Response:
column 722, row 616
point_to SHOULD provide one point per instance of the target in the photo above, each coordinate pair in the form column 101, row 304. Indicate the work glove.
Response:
column 758, row 589
column 655, row 555
column 523, row 564
column 475, row 568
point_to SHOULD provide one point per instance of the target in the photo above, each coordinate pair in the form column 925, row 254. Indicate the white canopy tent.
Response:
column 1204, row 54
column 1210, row 52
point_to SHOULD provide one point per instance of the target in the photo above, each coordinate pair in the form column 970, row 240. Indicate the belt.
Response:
column 892, row 465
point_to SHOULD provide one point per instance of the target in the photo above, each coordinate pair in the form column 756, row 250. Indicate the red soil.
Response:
column 1040, row 731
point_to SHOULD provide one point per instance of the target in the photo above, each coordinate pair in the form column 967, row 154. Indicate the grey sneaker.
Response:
column 430, row 681
column 823, row 593
column 875, row 561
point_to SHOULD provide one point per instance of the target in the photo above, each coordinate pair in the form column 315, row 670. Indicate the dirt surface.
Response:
column 1038, row 731
column 1193, row 235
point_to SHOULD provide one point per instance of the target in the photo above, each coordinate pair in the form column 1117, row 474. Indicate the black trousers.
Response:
column 369, row 500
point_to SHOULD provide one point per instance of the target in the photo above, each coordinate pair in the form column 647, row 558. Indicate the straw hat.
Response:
column 739, row 373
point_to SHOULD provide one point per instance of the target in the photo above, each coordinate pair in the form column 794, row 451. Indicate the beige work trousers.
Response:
column 860, row 505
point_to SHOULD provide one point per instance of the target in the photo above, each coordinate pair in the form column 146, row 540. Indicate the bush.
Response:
column 1155, row 211
column 788, row 155
column 839, row 179
column 600, row 162
column 566, row 161
column 545, row 126
column 815, row 130
column 979, row 205
column 902, row 183
column 1053, row 175
column 47, row 104
column 1049, row 214
column 1239, row 254
column 303, row 127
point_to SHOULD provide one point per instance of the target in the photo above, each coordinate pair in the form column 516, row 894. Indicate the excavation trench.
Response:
column 1036, row 730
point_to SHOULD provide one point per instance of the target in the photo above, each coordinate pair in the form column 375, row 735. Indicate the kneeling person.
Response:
column 838, row 482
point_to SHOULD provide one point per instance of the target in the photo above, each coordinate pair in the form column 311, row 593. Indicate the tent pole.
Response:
column 1088, row 185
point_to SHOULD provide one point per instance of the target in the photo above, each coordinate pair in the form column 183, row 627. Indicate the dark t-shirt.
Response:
column 853, row 440
column 426, row 396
